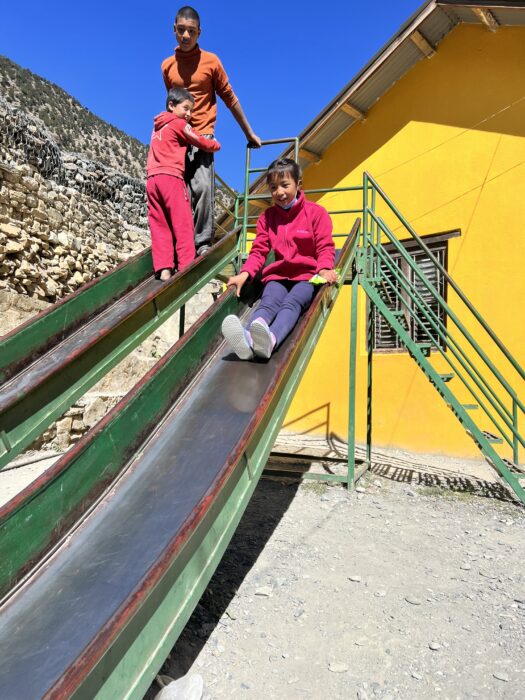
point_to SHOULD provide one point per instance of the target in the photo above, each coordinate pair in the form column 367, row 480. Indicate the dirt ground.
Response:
column 412, row 587
column 398, row 590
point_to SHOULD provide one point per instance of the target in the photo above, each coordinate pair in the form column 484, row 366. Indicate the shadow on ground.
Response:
column 267, row 506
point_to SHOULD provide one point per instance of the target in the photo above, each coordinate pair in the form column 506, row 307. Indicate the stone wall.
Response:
column 63, row 219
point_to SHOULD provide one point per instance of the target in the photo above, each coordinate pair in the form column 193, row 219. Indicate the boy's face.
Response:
column 283, row 189
column 182, row 110
column 187, row 32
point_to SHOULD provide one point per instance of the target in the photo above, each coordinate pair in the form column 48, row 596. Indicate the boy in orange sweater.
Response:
column 201, row 73
column 169, row 211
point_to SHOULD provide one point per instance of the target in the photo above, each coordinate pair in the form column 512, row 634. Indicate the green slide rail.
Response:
column 39, row 527
column 449, row 326
column 56, row 357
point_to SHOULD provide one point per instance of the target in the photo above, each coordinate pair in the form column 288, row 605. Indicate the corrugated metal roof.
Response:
column 509, row 16
column 438, row 24
column 434, row 20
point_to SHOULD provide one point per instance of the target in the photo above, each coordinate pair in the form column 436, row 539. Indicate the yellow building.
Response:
column 438, row 119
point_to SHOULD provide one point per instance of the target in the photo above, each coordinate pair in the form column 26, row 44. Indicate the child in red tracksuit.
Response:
column 169, row 211
column 300, row 234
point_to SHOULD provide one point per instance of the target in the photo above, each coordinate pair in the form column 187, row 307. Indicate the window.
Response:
column 385, row 338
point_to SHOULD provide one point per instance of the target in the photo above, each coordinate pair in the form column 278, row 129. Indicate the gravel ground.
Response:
column 398, row 590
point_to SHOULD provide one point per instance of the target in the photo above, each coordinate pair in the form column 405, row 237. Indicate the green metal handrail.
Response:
column 369, row 179
column 250, row 238
column 382, row 226
column 249, row 171
column 246, row 197
column 445, row 336
column 374, row 228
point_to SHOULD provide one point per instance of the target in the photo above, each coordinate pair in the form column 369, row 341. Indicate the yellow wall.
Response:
column 447, row 144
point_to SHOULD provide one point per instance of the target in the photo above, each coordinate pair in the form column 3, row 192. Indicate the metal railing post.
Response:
column 245, row 209
column 352, row 382
column 515, row 440
column 370, row 353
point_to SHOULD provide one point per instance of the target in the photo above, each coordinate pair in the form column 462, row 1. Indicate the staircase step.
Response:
column 384, row 291
column 470, row 406
column 400, row 314
column 516, row 469
column 425, row 348
column 490, row 437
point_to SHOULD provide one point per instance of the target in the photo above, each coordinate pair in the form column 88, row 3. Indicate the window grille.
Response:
column 385, row 338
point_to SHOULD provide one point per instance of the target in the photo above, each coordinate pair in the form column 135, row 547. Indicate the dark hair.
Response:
column 178, row 95
column 280, row 167
column 188, row 12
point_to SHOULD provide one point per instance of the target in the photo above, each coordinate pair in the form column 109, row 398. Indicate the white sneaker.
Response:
column 237, row 337
column 262, row 337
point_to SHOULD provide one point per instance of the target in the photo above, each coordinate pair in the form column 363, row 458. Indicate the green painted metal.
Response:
column 38, row 519
column 352, row 381
column 26, row 419
column 178, row 593
column 475, row 313
column 472, row 429
column 133, row 674
column 34, row 337
column 449, row 342
column 369, row 375
column 467, row 336
column 247, row 197
column 459, row 348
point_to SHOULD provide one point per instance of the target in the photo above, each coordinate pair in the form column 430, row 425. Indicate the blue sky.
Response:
column 286, row 61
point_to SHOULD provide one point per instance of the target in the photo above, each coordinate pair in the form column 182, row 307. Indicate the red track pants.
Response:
column 170, row 221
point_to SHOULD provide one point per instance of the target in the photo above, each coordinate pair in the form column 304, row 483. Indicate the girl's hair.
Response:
column 280, row 167
column 178, row 95
column 188, row 12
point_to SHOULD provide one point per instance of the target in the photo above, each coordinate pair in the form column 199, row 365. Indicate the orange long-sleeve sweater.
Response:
column 201, row 73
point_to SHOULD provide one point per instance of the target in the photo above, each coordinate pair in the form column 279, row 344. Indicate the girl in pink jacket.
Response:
column 300, row 234
column 169, row 211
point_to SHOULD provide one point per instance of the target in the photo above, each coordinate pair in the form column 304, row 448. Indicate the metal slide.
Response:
column 50, row 361
column 105, row 555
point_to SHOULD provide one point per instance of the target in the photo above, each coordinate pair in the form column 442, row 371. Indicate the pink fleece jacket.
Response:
column 301, row 238
column 170, row 139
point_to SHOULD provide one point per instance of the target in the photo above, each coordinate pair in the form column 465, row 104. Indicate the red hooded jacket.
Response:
column 170, row 139
column 301, row 238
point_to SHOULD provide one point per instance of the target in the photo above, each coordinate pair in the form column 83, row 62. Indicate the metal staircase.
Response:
column 440, row 328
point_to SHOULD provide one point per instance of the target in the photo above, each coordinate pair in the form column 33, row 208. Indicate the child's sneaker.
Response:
column 262, row 338
column 237, row 337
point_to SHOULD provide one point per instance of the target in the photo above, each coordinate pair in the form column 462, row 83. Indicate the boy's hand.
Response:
column 237, row 281
column 329, row 275
column 253, row 140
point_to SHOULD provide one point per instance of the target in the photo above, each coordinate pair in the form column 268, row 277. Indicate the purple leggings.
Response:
column 281, row 305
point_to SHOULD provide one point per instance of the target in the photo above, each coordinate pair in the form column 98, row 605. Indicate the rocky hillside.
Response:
column 74, row 127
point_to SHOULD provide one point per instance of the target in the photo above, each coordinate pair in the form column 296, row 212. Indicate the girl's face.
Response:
column 283, row 189
column 183, row 109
